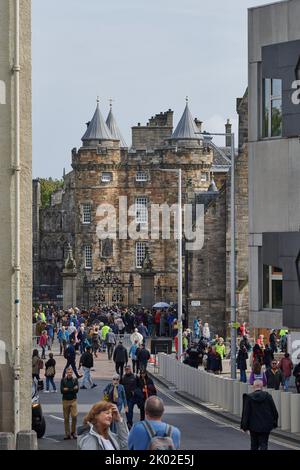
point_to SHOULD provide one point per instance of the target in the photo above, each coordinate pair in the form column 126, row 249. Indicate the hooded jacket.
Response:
column 259, row 412
column 89, row 439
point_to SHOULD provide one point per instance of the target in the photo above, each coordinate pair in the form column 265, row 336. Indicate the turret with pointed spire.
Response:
column 187, row 129
column 114, row 129
column 97, row 130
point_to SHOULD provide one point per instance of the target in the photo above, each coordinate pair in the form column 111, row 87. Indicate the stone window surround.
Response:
column 86, row 213
column 106, row 177
column 141, row 209
column 88, row 256
column 140, row 251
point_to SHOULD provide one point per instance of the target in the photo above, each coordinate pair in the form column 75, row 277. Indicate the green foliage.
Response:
column 48, row 186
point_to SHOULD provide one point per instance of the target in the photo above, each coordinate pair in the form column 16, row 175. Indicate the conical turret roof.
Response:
column 186, row 128
column 97, row 129
column 114, row 129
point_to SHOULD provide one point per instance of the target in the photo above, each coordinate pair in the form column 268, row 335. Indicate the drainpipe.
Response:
column 16, row 173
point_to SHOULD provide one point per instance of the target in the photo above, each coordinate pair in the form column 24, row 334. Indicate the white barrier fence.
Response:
column 225, row 392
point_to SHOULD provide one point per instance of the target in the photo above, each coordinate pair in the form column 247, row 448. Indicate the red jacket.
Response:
column 286, row 366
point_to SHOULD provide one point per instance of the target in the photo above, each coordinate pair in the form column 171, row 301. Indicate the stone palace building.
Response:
column 122, row 268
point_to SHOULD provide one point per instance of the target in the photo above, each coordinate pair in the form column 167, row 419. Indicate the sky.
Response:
column 145, row 55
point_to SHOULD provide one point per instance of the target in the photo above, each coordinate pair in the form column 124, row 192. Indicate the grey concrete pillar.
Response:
column 285, row 411
column 243, row 389
column 236, row 398
column 295, row 412
column 276, row 395
column 7, row 441
column 27, row 440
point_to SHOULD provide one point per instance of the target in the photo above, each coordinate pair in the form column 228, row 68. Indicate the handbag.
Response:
column 50, row 371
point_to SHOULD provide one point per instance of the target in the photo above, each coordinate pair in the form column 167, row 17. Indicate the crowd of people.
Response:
column 89, row 332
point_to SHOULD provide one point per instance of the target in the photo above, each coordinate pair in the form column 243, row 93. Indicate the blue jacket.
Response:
column 139, row 439
column 109, row 389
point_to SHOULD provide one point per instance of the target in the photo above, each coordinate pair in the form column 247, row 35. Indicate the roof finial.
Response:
column 98, row 100
column 111, row 102
column 187, row 99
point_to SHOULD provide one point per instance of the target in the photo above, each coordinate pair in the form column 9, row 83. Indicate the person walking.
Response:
column 153, row 433
column 120, row 358
column 50, row 373
column 145, row 389
column 70, row 355
column 257, row 374
column 268, row 357
column 214, row 361
column 63, row 338
column 110, row 342
column 143, row 356
column 69, row 389
column 87, row 363
column 136, row 336
column 220, row 348
column 286, row 367
column 259, row 416
column 296, row 374
column 273, row 341
column 133, row 354
column 129, row 383
column 37, row 364
column 242, row 363
column 142, row 329
column 43, row 342
column 274, row 376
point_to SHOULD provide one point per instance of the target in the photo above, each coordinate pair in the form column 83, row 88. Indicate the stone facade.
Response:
column 209, row 270
column 7, row 211
column 153, row 150
column 54, row 229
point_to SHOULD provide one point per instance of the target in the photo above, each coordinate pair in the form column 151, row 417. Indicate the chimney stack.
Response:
column 228, row 130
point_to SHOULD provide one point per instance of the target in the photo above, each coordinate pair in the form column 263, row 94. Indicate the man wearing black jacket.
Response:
column 87, row 363
column 120, row 358
column 143, row 356
column 129, row 382
column 259, row 416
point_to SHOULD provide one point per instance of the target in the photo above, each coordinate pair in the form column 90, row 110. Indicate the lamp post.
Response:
column 179, row 254
column 233, row 331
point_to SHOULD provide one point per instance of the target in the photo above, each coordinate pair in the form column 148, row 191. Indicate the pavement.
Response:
column 216, row 410
column 201, row 428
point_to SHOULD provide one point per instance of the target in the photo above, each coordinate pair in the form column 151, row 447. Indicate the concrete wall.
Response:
column 7, row 222
column 274, row 166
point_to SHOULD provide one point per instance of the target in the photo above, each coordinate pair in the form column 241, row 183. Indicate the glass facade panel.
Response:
column 276, row 294
column 276, row 118
column 266, row 288
column 276, row 88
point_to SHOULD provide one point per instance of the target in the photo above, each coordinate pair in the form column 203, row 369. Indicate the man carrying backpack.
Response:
column 153, row 433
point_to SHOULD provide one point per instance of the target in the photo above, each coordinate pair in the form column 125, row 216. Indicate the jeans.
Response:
column 135, row 366
column 110, row 350
column 119, row 368
column 286, row 384
column 243, row 376
column 50, row 380
column 259, row 440
column 86, row 377
column 73, row 365
column 129, row 415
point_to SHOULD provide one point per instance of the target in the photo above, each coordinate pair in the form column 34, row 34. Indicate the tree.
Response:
column 48, row 187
